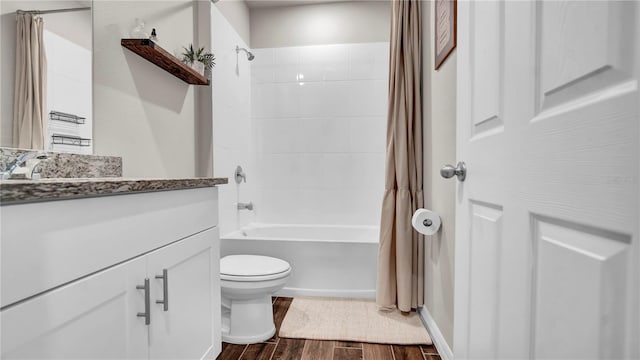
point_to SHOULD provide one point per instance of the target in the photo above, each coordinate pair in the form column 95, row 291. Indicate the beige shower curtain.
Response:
column 401, row 254
column 30, row 89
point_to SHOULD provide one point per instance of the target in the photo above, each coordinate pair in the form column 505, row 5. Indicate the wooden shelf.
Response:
column 163, row 59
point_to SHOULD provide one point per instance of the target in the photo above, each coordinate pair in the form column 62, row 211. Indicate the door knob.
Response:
column 448, row 171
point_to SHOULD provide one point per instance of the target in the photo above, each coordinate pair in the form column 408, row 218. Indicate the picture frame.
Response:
column 445, row 32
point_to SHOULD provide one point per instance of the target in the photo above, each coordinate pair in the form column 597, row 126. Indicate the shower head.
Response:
column 250, row 56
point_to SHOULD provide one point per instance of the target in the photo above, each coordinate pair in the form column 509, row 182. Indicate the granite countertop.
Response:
column 67, row 165
column 26, row 191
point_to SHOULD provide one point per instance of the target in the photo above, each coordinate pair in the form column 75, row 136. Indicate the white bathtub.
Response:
column 326, row 260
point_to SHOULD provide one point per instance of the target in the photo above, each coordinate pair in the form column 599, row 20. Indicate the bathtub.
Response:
column 326, row 260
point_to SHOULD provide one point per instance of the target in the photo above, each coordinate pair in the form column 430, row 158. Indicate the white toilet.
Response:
column 247, row 283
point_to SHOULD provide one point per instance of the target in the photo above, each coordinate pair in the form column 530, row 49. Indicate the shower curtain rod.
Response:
column 40, row 12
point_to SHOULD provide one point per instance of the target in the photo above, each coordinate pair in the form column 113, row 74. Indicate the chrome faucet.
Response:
column 245, row 206
column 9, row 168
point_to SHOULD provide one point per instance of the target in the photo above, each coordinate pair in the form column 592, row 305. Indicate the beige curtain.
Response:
column 401, row 251
column 29, row 100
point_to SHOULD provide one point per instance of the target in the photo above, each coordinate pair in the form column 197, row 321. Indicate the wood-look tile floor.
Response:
column 300, row 349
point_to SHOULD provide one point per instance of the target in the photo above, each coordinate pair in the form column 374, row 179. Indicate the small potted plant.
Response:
column 199, row 60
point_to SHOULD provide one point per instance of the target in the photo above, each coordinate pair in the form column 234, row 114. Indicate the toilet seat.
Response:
column 245, row 268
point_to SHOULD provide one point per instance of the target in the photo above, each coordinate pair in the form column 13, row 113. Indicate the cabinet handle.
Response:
column 147, row 302
column 165, row 289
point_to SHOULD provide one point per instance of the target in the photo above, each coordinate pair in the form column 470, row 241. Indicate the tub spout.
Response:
column 245, row 206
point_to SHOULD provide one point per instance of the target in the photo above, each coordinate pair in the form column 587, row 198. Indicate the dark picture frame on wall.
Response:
column 445, row 34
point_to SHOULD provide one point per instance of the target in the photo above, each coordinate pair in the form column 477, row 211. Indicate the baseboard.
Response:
column 436, row 335
column 209, row 354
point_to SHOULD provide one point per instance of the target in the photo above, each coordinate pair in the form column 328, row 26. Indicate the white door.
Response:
column 184, row 328
column 547, row 218
column 92, row 318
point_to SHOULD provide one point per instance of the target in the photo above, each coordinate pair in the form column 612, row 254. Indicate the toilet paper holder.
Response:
column 426, row 222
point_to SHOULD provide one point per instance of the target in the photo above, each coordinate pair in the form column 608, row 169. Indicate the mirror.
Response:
column 67, row 38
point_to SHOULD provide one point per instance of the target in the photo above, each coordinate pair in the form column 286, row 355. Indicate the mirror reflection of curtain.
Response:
column 401, row 250
column 29, row 120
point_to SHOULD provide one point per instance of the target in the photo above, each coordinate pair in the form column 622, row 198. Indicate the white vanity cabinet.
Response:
column 95, row 306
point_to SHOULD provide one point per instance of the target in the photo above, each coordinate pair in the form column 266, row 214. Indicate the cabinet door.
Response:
column 184, row 328
column 92, row 318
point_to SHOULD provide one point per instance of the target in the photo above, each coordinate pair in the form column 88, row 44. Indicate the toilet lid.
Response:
column 252, row 265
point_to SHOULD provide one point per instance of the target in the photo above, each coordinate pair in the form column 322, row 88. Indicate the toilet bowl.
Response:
column 247, row 283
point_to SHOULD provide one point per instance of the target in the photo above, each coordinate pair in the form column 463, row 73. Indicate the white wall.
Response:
column 439, row 133
column 318, row 24
column 142, row 112
column 237, row 14
column 5, row 129
column 203, row 138
column 232, row 130
column 319, row 113
column 73, row 26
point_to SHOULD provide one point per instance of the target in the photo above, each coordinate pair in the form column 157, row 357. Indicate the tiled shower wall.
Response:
column 232, row 145
column 319, row 124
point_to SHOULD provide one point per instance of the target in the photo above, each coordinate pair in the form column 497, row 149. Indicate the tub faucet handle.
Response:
column 240, row 175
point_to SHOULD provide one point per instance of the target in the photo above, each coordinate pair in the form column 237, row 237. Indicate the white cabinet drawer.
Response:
column 66, row 240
